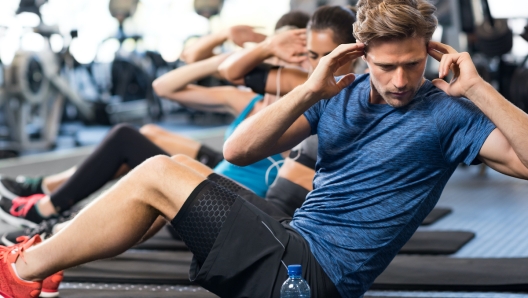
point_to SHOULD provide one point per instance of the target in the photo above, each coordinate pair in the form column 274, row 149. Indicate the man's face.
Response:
column 396, row 69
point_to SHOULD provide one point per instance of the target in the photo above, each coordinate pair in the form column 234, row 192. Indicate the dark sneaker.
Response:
column 21, row 212
column 20, row 187
column 44, row 229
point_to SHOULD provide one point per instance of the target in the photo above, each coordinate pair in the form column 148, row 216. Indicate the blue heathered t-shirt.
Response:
column 380, row 170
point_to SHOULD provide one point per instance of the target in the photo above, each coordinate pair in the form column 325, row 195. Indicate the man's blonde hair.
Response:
column 394, row 19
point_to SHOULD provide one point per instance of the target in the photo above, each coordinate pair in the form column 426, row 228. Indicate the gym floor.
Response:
column 493, row 206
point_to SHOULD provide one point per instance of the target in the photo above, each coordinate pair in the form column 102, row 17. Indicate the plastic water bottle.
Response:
column 295, row 286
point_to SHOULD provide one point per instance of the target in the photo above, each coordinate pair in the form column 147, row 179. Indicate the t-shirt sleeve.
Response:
column 463, row 129
column 313, row 115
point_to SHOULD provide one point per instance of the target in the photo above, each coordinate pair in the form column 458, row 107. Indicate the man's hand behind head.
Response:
column 241, row 34
column 322, row 83
column 465, row 74
column 289, row 46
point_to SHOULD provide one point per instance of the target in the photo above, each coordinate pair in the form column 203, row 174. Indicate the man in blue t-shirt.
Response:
column 388, row 140
column 388, row 143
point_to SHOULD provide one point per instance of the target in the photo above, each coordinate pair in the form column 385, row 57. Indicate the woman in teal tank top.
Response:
column 258, row 176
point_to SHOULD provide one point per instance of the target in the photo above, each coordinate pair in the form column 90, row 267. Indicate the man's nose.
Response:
column 400, row 78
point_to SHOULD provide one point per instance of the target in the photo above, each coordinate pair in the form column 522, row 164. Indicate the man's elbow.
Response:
column 235, row 154
column 158, row 87
column 225, row 70
column 189, row 56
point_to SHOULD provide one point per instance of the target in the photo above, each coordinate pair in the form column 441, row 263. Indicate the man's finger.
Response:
column 346, row 80
column 441, row 84
column 344, row 49
column 442, row 48
column 297, row 31
column 347, row 59
column 435, row 54
column 259, row 37
column 447, row 62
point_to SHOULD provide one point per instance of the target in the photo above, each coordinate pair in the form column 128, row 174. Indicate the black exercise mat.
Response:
column 163, row 240
column 436, row 214
column 123, row 291
column 136, row 267
column 436, row 242
column 433, row 243
column 421, row 273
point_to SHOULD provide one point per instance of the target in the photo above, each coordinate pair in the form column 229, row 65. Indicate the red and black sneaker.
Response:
column 21, row 212
column 10, row 284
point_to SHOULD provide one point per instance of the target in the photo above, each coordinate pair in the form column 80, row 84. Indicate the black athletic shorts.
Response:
column 286, row 195
column 250, row 255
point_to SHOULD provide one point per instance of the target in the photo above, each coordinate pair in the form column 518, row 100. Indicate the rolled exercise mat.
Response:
column 163, row 240
column 136, row 267
column 436, row 242
column 435, row 215
column 430, row 273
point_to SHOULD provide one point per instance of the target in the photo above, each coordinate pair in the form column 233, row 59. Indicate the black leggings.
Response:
column 124, row 144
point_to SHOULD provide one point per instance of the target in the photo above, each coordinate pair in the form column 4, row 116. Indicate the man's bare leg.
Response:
column 190, row 163
column 120, row 217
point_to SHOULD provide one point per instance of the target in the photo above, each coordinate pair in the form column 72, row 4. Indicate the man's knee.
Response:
column 192, row 164
column 163, row 183
column 162, row 166
column 150, row 130
column 155, row 165
column 121, row 133
column 182, row 158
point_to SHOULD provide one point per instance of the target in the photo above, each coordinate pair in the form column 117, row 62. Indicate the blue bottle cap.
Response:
column 295, row 270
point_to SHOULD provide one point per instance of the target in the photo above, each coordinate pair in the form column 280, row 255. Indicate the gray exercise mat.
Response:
column 430, row 273
column 436, row 214
column 436, row 242
column 131, row 291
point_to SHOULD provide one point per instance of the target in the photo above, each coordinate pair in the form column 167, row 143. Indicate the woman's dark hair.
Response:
column 294, row 18
column 339, row 19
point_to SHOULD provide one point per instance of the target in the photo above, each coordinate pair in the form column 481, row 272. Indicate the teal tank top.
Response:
column 257, row 176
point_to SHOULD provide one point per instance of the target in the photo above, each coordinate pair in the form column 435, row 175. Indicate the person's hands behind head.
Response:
column 465, row 75
column 241, row 33
column 322, row 82
column 289, row 46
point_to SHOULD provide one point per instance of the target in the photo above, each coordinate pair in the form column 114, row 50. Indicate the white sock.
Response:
column 15, row 270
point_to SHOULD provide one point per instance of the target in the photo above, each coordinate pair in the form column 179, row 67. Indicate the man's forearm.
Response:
column 238, row 65
column 262, row 134
column 182, row 76
column 510, row 120
column 203, row 48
